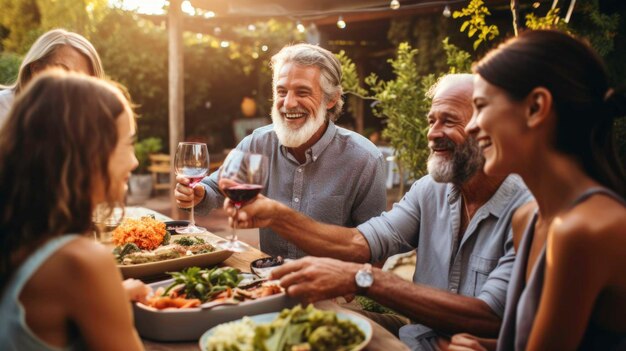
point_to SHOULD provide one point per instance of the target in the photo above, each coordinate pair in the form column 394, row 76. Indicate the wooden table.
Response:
column 381, row 338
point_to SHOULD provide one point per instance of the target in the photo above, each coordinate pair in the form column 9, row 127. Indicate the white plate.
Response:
column 359, row 321
column 141, row 270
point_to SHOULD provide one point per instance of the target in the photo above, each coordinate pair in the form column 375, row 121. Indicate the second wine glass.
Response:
column 241, row 177
column 192, row 162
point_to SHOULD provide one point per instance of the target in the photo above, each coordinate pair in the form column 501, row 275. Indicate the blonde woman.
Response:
column 67, row 146
column 56, row 48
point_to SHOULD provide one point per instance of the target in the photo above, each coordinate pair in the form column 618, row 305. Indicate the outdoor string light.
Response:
column 446, row 11
column 341, row 24
column 300, row 27
column 394, row 4
column 251, row 27
column 225, row 43
column 265, row 48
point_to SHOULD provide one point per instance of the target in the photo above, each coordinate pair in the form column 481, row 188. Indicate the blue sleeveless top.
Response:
column 14, row 333
column 522, row 300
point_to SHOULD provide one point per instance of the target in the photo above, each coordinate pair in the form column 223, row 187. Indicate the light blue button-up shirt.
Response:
column 341, row 182
column 428, row 219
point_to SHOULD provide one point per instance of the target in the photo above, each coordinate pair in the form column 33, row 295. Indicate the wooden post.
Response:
column 514, row 13
column 176, row 90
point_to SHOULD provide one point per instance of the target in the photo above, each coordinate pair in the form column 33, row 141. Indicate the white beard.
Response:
column 440, row 168
column 294, row 137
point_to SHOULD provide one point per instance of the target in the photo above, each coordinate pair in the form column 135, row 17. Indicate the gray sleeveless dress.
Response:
column 522, row 298
column 15, row 335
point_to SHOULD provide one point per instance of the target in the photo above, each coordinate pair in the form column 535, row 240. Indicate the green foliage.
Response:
column 402, row 102
column 26, row 20
column 143, row 149
column 599, row 28
column 458, row 60
column 476, row 11
column 21, row 18
column 350, row 81
column 552, row 20
column 9, row 66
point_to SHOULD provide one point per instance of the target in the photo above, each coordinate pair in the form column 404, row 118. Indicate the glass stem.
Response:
column 233, row 237
column 192, row 220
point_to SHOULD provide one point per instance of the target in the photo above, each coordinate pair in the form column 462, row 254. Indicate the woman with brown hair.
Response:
column 543, row 108
column 67, row 146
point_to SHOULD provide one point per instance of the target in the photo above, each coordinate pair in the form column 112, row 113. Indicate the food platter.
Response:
column 189, row 324
column 142, row 270
column 146, row 247
column 359, row 321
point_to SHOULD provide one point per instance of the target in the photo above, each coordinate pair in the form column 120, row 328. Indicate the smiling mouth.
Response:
column 484, row 143
column 440, row 150
column 294, row 116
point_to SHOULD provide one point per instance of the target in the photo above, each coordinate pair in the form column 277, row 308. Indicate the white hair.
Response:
column 330, row 69
column 451, row 79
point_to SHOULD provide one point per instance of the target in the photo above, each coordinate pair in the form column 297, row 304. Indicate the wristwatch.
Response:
column 364, row 277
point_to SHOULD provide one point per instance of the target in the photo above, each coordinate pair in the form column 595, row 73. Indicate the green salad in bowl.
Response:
column 296, row 329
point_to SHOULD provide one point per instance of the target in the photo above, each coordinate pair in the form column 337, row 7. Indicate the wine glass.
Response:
column 192, row 162
column 241, row 177
column 105, row 221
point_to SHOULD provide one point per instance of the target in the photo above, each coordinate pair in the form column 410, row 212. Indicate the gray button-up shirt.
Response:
column 428, row 218
column 342, row 181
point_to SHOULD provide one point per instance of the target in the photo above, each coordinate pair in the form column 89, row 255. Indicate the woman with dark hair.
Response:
column 544, row 109
column 67, row 146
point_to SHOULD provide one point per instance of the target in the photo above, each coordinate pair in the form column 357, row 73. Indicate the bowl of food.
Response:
column 298, row 328
column 196, row 299
column 263, row 266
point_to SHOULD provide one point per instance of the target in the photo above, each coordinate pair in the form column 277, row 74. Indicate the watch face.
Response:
column 364, row 279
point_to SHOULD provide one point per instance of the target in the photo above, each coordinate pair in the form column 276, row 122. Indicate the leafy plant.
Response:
column 143, row 149
column 552, row 20
column 477, row 11
column 459, row 61
column 402, row 102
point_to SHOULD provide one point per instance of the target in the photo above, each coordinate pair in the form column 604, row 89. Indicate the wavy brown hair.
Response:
column 54, row 152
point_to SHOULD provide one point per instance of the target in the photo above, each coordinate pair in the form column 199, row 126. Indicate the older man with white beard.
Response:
column 457, row 218
column 315, row 167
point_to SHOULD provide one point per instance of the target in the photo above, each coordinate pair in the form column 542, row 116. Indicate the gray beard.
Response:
column 465, row 162
column 290, row 137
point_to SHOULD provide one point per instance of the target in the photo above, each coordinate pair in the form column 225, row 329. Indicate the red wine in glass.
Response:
column 194, row 180
column 241, row 193
column 241, row 177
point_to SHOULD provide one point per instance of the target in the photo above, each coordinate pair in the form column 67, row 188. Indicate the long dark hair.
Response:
column 577, row 79
column 54, row 147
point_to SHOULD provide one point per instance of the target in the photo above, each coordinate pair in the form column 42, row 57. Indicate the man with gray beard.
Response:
column 316, row 168
column 457, row 219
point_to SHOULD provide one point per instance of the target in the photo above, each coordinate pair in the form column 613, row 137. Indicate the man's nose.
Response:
column 290, row 100
column 435, row 131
